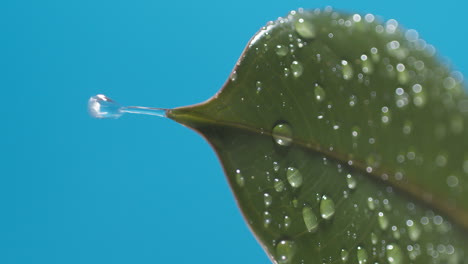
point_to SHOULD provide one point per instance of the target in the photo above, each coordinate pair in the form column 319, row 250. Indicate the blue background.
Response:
column 140, row 189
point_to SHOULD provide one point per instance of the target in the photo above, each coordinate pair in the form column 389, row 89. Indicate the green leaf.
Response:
column 343, row 140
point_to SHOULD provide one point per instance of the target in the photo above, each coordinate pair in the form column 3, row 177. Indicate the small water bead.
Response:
column 267, row 199
column 282, row 134
column 285, row 250
column 347, row 70
column 296, row 68
column 351, row 181
column 366, row 64
column 240, row 179
column 287, row 221
column 281, row 50
column 294, row 177
column 414, row 231
column 233, row 76
column 279, row 185
column 258, row 86
column 327, row 207
column 319, row 93
column 310, row 219
column 374, row 238
column 382, row 220
column 395, row 232
column 361, row 255
column 370, row 203
column 305, row 29
column 267, row 218
column 394, row 254
column 344, row 255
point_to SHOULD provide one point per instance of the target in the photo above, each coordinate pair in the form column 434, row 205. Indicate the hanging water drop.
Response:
column 101, row 106
column 282, row 134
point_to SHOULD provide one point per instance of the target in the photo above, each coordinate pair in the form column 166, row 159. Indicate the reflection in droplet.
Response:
column 294, row 177
column 282, row 134
column 327, row 207
column 310, row 219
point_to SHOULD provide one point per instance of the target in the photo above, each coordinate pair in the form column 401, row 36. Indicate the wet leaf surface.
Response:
column 343, row 140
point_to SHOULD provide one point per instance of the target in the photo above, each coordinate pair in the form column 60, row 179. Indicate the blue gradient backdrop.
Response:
column 139, row 189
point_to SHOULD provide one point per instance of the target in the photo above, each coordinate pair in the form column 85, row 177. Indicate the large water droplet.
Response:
column 282, row 134
column 285, row 251
column 319, row 93
column 327, row 207
column 296, row 68
column 294, row 177
column 310, row 219
column 101, row 106
column 305, row 29
column 361, row 255
column 394, row 254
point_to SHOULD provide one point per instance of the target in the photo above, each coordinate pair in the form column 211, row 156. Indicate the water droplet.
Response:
column 396, row 232
column 101, row 106
column 294, row 177
column 394, row 254
column 361, row 255
column 233, row 76
column 344, row 255
column 310, row 219
column 296, row 68
column 239, row 178
column 347, row 70
column 414, row 231
column 319, row 92
column 374, row 238
column 305, row 29
column 366, row 64
column 268, row 199
column 281, row 50
column 351, row 181
column 282, row 134
column 370, row 203
column 285, row 250
column 383, row 221
column 327, row 207
column 452, row 181
column 279, row 185
column 287, row 221
column 267, row 218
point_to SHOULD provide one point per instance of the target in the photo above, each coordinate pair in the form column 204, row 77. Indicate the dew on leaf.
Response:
column 294, row 177
column 361, row 255
column 305, row 29
column 296, row 68
column 319, row 93
column 279, row 185
column 267, row 199
column 310, row 219
column 327, row 207
column 394, row 254
column 351, row 181
column 347, row 70
column 383, row 220
column 285, row 251
column 281, row 50
column 240, row 179
column 414, row 231
column 282, row 134
column 344, row 255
